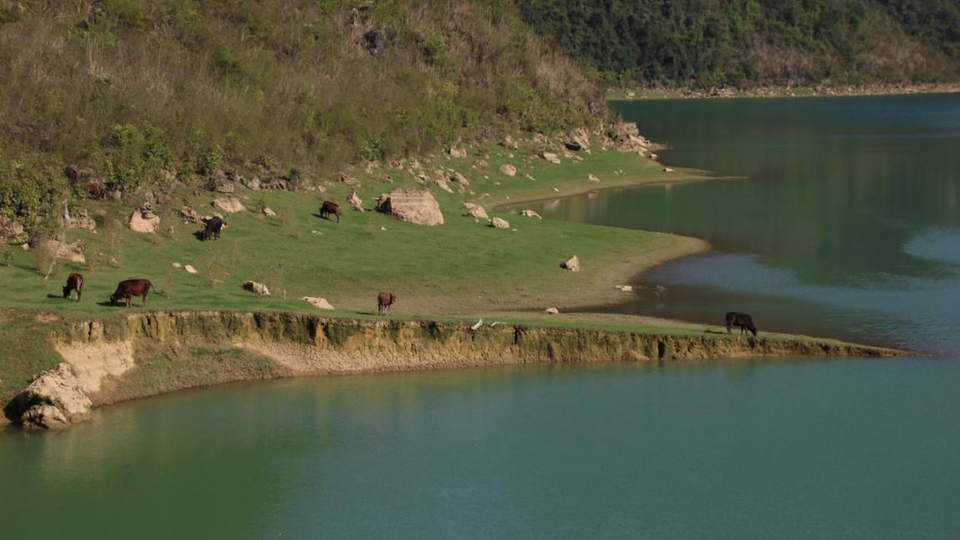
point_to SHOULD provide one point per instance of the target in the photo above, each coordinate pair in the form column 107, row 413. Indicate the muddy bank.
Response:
column 154, row 352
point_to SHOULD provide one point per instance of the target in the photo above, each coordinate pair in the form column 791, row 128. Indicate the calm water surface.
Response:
column 847, row 226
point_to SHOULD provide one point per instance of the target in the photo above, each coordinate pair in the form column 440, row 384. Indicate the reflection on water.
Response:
column 742, row 449
column 848, row 224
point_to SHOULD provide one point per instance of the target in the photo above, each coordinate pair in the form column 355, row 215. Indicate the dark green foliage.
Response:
column 138, row 89
column 704, row 43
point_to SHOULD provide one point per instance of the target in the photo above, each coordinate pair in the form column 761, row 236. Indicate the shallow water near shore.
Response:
column 847, row 224
column 786, row 448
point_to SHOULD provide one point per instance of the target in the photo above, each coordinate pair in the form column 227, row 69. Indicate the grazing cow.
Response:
column 74, row 283
column 95, row 190
column 384, row 301
column 131, row 287
column 330, row 208
column 212, row 228
column 744, row 321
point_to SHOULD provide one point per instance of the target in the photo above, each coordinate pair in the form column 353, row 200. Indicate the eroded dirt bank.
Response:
column 154, row 352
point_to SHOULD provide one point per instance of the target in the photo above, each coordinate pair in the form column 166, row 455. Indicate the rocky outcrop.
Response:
column 73, row 252
column 411, row 205
column 10, row 229
column 627, row 138
column 228, row 204
column 81, row 220
column 54, row 399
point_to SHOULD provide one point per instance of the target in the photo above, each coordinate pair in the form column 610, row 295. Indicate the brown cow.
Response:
column 744, row 321
column 131, row 287
column 384, row 301
column 74, row 283
column 330, row 208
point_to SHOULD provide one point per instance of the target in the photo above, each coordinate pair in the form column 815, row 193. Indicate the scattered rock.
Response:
column 54, row 399
column 531, row 214
column 442, row 184
column 592, row 178
column 319, row 303
column 508, row 142
column 355, row 201
column 268, row 212
column 411, row 205
column 25, row 246
column 508, row 170
column 252, row 183
column 552, row 311
column 81, row 220
column 189, row 269
column 176, row 265
column 624, row 288
column 458, row 152
column 572, row 264
column 316, row 232
column 476, row 211
column 551, row 157
column 627, row 138
column 228, row 204
column 499, row 223
column 571, row 145
column 10, row 229
column 578, row 140
column 460, row 179
column 190, row 215
column 667, row 169
column 69, row 252
column 257, row 288
column 349, row 180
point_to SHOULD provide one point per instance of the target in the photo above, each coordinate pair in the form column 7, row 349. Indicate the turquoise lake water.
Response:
column 846, row 225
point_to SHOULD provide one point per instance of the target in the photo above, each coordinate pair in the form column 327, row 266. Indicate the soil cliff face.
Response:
column 154, row 352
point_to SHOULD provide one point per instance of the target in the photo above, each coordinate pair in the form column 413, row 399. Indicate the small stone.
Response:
column 190, row 269
column 552, row 311
column 499, row 223
column 256, row 288
column 317, row 302
column 508, row 170
column 624, row 288
column 531, row 214
column 667, row 169
column 458, row 152
column 551, row 157
column 592, row 178
column 176, row 265
column 268, row 212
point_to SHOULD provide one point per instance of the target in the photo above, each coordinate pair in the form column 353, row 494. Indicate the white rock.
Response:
column 176, row 265
column 667, row 169
column 499, row 223
column 552, row 311
column 572, row 264
column 317, row 302
column 71, row 252
column 141, row 223
column 228, row 204
column 355, row 201
column 551, row 157
column 257, row 288
column 476, row 211
column 508, row 170
column 411, row 205
column 531, row 214
column 190, row 269
column 268, row 212
column 458, row 152
column 625, row 288
column 592, row 178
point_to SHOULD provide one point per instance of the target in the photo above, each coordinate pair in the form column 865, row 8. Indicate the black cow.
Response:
column 744, row 321
column 131, row 287
column 330, row 208
column 74, row 283
column 212, row 228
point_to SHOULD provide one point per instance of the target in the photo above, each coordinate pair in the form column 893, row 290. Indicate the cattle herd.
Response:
column 127, row 289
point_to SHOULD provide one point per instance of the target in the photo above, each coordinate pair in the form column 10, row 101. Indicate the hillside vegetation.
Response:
column 745, row 43
column 144, row 92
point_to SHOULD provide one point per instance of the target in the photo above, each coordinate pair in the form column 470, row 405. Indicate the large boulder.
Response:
column 228, row 204
column 54, row 399
column 144, row 221
column 411, row 205
column 572, row 264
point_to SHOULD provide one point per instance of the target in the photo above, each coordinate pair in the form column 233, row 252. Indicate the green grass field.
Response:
column 462, row 267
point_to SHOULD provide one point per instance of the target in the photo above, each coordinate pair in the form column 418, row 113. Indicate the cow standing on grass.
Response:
column 384, row 301
column 129, row 288
column 74, row 283
column 330, row 208
column 744, row 321
column 212, row 228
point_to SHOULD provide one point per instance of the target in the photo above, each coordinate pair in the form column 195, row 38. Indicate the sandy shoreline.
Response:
column 784, row 92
